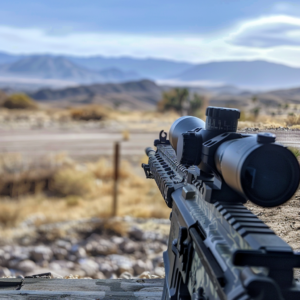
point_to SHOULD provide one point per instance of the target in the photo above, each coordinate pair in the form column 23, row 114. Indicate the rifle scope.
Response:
column 254, row 165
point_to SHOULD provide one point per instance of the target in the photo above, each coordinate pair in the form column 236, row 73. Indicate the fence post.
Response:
column 116, row 178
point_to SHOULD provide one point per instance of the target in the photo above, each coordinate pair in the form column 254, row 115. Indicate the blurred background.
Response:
column 77, row 77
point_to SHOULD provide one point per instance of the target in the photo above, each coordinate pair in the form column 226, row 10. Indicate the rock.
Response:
column 130, row 247
column 140, row 266
column 60, row 253
column 159, row 272
column 136, row 233
column 89, row 266
column 147, row 275
column 101, row 247
column 155, row 236
column 154, row 247
column 123, row 263
column 100, row 275
column 72, row 258
column 117, row 240
column 125, row 268
column 77, row 273
column 63, row 244
column 158, row 261
column 4, row 272
column 40, row 253
column 26, row 266
column 81, row 253
column 64, row 264
column 107, row 269
column 126, row 275
column 56, row 276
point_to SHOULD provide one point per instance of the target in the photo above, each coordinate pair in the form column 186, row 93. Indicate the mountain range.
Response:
column 144, row 95
column 54, row 71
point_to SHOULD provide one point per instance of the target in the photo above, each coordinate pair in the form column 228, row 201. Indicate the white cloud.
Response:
column 176, row 47
column 268, row 32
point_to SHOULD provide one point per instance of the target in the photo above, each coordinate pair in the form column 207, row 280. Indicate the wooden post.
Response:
column 116, row 178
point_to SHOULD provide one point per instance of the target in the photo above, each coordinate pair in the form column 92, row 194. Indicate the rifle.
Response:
column 217, row 248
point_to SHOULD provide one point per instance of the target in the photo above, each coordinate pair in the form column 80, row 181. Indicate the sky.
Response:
column 192, row 30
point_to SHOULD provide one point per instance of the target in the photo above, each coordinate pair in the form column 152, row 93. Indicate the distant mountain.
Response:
column 6, row 58
column 48, row 67
column 142, row 94
column 232, row 75
column 149, row 67
column 252, row 74
column 60, row 68
column 116, row 75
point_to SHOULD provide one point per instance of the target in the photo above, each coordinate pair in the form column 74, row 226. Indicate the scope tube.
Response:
column 182, row 125
column 267, row 174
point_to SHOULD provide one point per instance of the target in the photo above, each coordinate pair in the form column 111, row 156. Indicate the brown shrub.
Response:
column 88, row 113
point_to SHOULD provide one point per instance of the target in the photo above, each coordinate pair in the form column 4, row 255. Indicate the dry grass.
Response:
column 20, row 176
column 80, row 191
column 72, row 182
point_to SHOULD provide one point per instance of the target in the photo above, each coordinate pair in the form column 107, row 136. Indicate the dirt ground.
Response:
column 284, row 219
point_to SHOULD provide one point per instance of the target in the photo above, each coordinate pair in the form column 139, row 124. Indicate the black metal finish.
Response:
column 214, row 239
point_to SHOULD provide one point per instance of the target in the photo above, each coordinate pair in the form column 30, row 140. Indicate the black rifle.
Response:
column 217, row 248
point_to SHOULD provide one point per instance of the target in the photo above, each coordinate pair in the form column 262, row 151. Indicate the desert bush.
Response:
column 173, row 100
column 292, row 119
column 20, row 176
column 19, row 101
column 73, row 182
column 88, row 113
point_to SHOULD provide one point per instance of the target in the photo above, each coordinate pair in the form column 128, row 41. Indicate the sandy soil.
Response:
column 284, row 220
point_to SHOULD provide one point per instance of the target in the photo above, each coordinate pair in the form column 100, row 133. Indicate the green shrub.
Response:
column 19, row 101
column 173, row 100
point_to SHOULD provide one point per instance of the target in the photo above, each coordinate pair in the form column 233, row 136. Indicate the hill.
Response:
column 250, row 74
column 141, row 95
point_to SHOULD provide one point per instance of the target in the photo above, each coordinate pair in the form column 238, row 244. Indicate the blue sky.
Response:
column 196, row 31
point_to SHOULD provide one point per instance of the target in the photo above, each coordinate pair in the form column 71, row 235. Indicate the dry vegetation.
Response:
column 68, row 190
